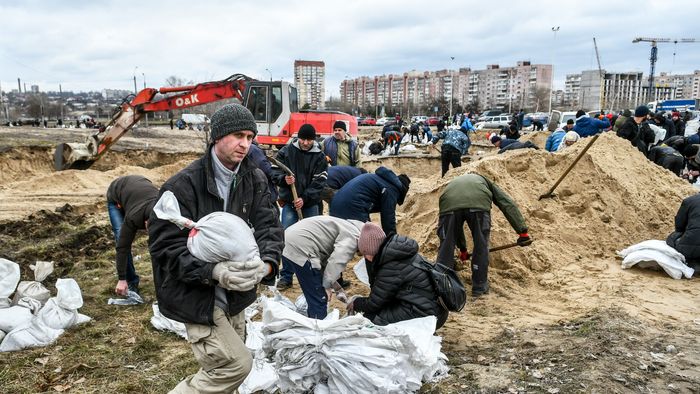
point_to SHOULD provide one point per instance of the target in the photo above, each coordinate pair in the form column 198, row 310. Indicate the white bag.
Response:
column 31, row 304
column 69, row 295
column 656, row 253
column 9, row 277
column 13, row 317
column 360, row 270
column 31, row 334
column 54, row 316
column 42, row 269
column 219, row 236
column 162, row 323
column 33, row 290
column 2, row 335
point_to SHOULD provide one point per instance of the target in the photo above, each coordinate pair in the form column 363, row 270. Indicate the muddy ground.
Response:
column 562, row 316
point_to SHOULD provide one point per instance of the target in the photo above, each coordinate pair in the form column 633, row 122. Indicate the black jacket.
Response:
column 667, row 157
column 399, row 291
column 184, row 286
column 640, row 135
column 669, row 126
column 517, row 145
column 309, row 168
column 686, row 238
column 679, row 125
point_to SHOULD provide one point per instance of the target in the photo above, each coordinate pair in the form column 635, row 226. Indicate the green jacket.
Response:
column 473, row 191
column 619, row 122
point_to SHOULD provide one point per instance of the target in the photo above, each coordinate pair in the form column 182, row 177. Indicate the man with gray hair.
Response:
column 210, row 297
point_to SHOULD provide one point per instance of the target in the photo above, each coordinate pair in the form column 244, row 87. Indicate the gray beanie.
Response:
column 231, row 118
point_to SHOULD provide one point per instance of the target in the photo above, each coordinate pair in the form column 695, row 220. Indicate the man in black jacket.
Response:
column 686, row 237
column 305, row 159
column 210, row 297
column 398, row 290
column 637, row 131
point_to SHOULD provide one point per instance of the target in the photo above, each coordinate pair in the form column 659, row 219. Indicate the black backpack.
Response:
column 446, row 283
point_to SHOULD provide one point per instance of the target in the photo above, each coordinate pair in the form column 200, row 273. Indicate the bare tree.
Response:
column 541, row 98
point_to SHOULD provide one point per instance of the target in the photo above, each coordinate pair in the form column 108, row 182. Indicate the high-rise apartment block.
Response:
column 310, row 81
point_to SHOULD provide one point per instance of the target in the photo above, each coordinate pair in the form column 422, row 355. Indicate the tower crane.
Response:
column 602, row 76
column 652, row 58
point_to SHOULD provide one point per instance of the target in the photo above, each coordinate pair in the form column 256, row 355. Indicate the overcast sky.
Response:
column 91, row 45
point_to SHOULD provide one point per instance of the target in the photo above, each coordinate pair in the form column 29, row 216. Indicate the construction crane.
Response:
column 602, row 76
column 652, row 58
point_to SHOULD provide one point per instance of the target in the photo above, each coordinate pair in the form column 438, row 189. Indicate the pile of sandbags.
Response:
column 656, row 254
column 34, row 318
column 348, row 355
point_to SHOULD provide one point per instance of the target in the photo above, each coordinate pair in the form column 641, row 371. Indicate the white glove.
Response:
column 233, row 280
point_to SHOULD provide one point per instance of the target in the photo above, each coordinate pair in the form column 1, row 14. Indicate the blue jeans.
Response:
column 311, row 282
column 289, row 217
column 116, row 217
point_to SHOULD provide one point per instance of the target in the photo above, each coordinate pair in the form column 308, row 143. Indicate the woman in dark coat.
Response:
column 399, row 291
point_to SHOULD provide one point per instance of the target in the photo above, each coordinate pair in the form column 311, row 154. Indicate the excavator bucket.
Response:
column 75, row 156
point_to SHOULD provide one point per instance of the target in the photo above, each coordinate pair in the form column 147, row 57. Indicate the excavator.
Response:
column 274, row 105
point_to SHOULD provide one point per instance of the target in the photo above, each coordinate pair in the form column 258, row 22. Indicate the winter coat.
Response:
column 343, row 153
column 686, row 237
column 619, row 122
column 398, row 290
column 257, row 156
column 467, row 124
column 454, row 138
column 184, row 286
column 367, row 193
column 309, row 168
column 329, row 243
column 679, row 126
column 667, row 125
column 515, row 144
column 136, row 196
column 554, row 140
column 338, row 176
column 586, row 126
column 667, row 157
column 473, row 191
column 639, row 135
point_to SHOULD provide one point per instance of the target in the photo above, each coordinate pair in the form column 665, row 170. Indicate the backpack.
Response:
column 451, row 293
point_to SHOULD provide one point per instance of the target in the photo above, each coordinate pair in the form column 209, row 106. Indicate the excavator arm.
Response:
column 81, row 156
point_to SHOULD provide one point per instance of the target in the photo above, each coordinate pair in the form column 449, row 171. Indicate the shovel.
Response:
column 292, row 186
column 550, row 192
column 502, row 247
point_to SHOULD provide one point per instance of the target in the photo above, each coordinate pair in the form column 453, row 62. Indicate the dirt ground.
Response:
column 562, row 316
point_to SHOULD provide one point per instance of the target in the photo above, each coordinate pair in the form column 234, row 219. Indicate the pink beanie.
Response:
column 371, row 238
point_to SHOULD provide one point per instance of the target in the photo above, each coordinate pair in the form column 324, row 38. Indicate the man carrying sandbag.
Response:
column 210, row 297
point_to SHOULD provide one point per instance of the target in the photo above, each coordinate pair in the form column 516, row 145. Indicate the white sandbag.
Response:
column 162, row 323
column 30, row 334
column 31, row 289
column 33, row 305
column 659, row 132
column 262, row 377
column 54, row 316
column 219, row 236
column 409, row 148
column 42, row 269
column 13, row 317
column 9, row 277
column 5, row 302
column 302, row 307
column 360, row 270
column 654, row 254
column 2, row 335
column 254, row 337
column 69, row 295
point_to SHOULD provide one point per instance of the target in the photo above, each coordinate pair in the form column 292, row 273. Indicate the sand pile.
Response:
column 613, row 198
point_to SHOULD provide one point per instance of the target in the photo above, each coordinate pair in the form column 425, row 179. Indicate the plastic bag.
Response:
column 42, row 269
column 160, row 322
column 69, row 295
column 653, row 254
column 13, row 317
column 132, row 298
column 54, row 316
column 31, row 334
column 360, row 270
column 219, row 236
column 33, row 290
column 9, row 277
column 31, row 304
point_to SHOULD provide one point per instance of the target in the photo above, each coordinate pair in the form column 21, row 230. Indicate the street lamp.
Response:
column 144, row 86
column 268, row 70
column 135, row 89
column 452, row 85
column 551, row 84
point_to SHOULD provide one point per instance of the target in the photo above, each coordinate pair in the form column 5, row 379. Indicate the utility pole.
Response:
column 144, row 86
column 551, row 83
column 452, row 85
column 60, row 100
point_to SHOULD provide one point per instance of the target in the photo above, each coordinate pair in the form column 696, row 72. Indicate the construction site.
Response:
column 561, row 316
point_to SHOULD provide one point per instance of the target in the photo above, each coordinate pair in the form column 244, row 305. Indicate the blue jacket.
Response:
column 467, row 124
column 586, row 126
column 367, row 193
column 454, row 138
column 554, row 140
column 505, row 142
column 338, row 176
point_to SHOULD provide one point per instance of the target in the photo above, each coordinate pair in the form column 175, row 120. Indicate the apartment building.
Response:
column 310, row 81
column 684, row 86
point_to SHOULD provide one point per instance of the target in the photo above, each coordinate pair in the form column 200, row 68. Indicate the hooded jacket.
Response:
column 398, row 290
column 367, row 193
column 554, row 139
column 454, row 138
column 686, row 237
column 184, row 286
column 309, row 168
column 586, row 126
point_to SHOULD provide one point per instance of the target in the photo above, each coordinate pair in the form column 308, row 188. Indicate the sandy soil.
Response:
column 561, row 316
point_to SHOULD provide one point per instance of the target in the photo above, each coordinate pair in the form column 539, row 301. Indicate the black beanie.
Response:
column 580, row 113
column 690, row 150
column 307, row 132
column 641, row 111
column 570, row 121
column 339, row 124
column 405, row 180
column 231, row 118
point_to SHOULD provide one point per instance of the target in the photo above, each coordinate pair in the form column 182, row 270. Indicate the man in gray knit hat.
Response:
column 210, row 297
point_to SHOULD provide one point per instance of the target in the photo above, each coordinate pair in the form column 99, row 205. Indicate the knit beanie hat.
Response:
column 580, row 113
column 493, row 137
column 371, row 238
column 307, row 132
column 641, row 111
column 676, row 113
column 231, row 118
column 570, row 121
column 339, row 124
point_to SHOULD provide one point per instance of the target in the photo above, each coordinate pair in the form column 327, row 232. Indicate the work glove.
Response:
column 524, row 239
column 464, row 255
column 233, row 280
column 255, row 267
